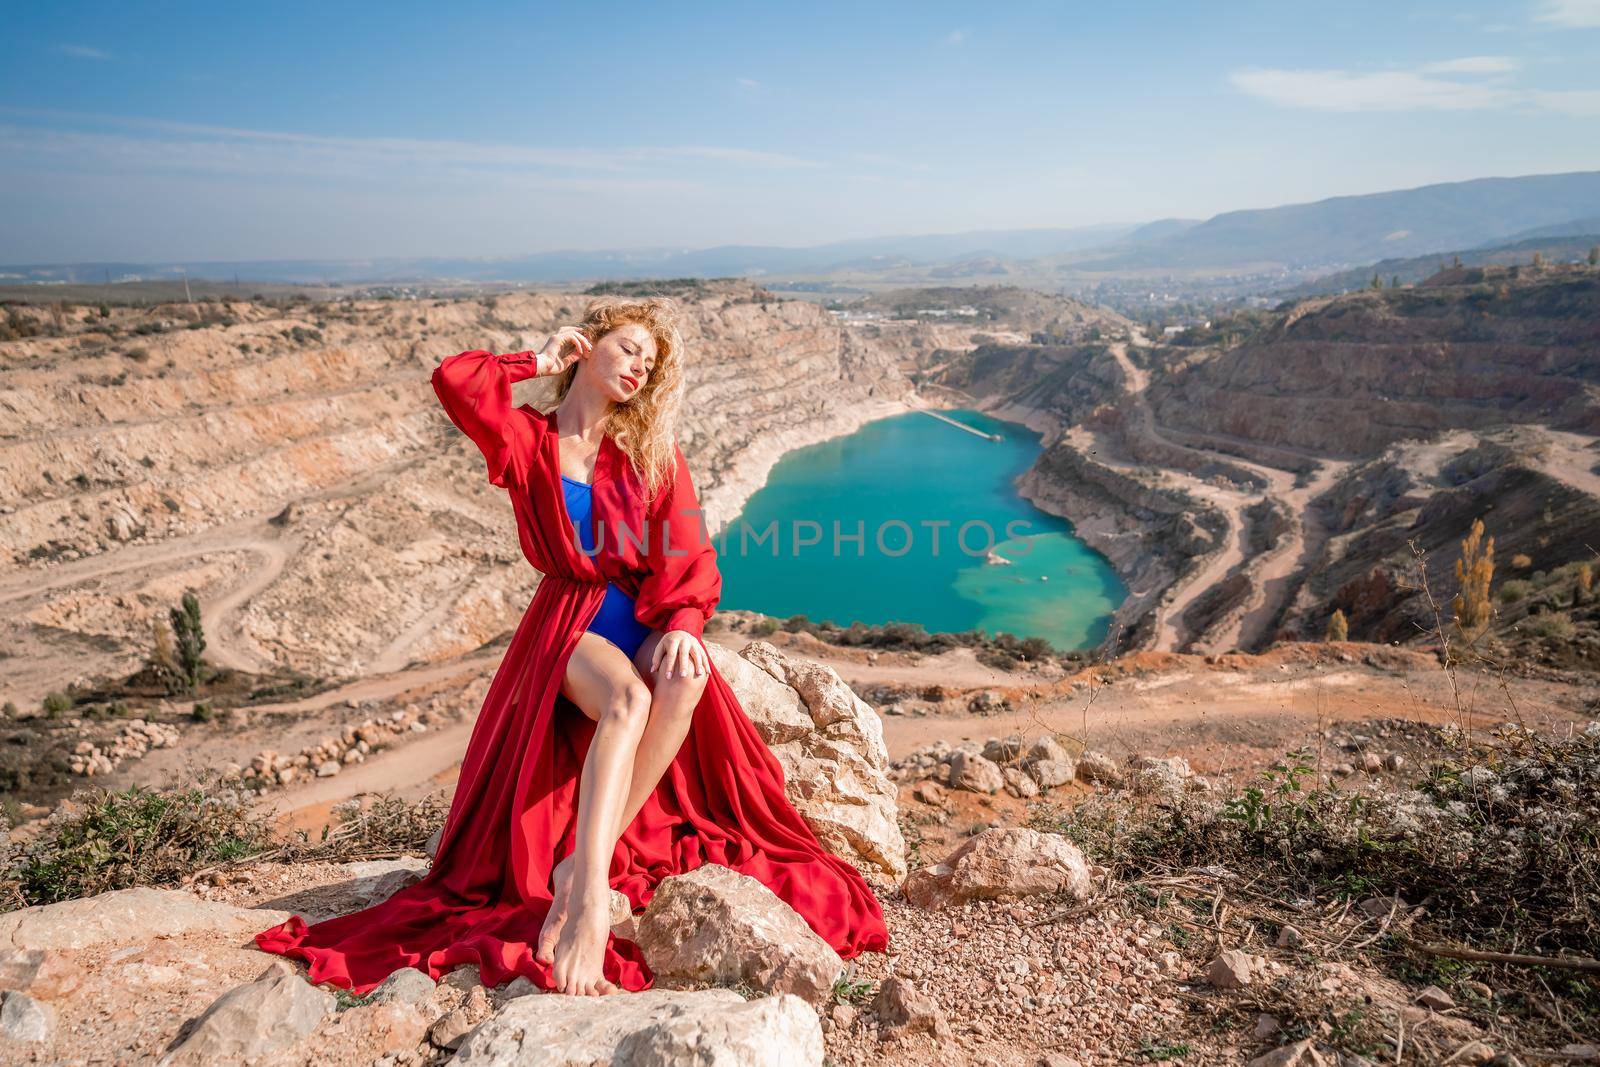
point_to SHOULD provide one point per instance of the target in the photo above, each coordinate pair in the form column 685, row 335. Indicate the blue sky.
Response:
column 173, row 131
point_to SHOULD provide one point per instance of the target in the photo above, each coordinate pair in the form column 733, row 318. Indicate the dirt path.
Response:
column 1273, row 578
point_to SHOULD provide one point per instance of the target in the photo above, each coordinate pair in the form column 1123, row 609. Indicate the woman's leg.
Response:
column 673, row 701
column 605, row 686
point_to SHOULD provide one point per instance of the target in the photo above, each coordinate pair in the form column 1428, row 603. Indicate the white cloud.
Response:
column 1473, row 83
column 180, row 146
column 1582, row 14
column 956, row 37
column 1343, row 90
column 83, row 51
column 1473, row 65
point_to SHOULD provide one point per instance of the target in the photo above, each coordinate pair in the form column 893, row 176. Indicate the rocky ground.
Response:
column 1009, row 945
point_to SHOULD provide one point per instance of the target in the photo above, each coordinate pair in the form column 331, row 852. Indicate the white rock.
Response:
column 1000, row 863
column 655, row 1028
column 718, row 926
column 830, row 743
column 128, row 917
column 24, row 1019
column 273, row 1013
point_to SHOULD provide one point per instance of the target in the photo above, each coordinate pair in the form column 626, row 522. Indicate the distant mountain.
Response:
column 1360, row 229
column 1159, row 230
column 753, row 261
column 1570, row 228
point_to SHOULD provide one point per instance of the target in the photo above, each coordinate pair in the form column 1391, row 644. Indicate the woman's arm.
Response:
column 475, row 390
column 683, row 584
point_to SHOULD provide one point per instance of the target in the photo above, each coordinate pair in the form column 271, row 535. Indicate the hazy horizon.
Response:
column 190, row 133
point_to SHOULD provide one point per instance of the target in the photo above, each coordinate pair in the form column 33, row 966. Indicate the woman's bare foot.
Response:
column 561, row 878
column 580, row 950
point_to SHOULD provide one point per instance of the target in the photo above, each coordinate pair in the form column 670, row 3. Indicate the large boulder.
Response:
column 268, row 1015
column 1002, row 863
column 830, row 744
column 718, row 926
column 655, row 1028
column 127, row 917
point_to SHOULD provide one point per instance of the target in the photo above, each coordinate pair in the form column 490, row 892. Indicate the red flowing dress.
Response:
column 514, row 813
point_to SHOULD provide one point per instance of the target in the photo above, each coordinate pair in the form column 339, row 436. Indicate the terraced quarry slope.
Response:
column 290, row 463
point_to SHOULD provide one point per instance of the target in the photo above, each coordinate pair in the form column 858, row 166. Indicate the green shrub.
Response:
column 1514, row 590
column 56, row 703
column 1557, row 624
column 139, row 836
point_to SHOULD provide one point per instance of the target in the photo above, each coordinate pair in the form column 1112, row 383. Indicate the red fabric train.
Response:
column 515, row 807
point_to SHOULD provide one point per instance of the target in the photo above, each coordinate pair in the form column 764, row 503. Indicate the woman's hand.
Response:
column 556, row 357
column 679, row 650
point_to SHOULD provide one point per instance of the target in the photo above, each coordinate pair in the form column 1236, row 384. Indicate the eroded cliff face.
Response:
column 1350, row 375
column 291, row 464
column 1238, row 489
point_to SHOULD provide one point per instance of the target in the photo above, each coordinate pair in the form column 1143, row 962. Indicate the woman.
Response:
column 608, row 740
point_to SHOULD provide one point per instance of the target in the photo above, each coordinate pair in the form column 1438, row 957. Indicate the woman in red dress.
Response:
column 609, row 752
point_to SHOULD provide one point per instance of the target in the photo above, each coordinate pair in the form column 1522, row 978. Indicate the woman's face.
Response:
column 622, row 362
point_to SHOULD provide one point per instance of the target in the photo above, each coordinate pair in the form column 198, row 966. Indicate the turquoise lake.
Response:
column 900, row 482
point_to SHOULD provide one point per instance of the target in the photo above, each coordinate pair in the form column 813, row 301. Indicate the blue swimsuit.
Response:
column 615, row 620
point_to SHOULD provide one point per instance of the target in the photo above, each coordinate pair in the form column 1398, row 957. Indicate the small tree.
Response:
column 1338, row 628
column 1474, row 572
column 1585, row 584
column 190, row 641
column 1377, row 282
column 1394, row 281
column 1594, row 256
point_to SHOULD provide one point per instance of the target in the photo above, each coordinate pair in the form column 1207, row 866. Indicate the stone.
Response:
column 1002, row 863
column 1473, row 1052
column 1299, row 1054
column 1151, row 774
column 1002, row 749
column 271, row 1014
column 903, row 1009
column 1382, row 907
column 1047, row 747
column 465, row 977
column 1435, row 998
column 405, row 986
column 382, row 1028
column 1289, row 937
column 378, row 880
column 1050, row 773
column 43, row 975
column 653, row 1028
column 24, row 1019
column 974, row 773
column 128, row 917
column 830, row 744
column 450, row 1030
column 718, row 926
column 929, row 792
column 1098, row 767
column 1231, row 969
column 1018, row 784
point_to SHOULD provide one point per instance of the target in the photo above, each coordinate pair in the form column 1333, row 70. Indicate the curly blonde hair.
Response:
column 645, row 425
